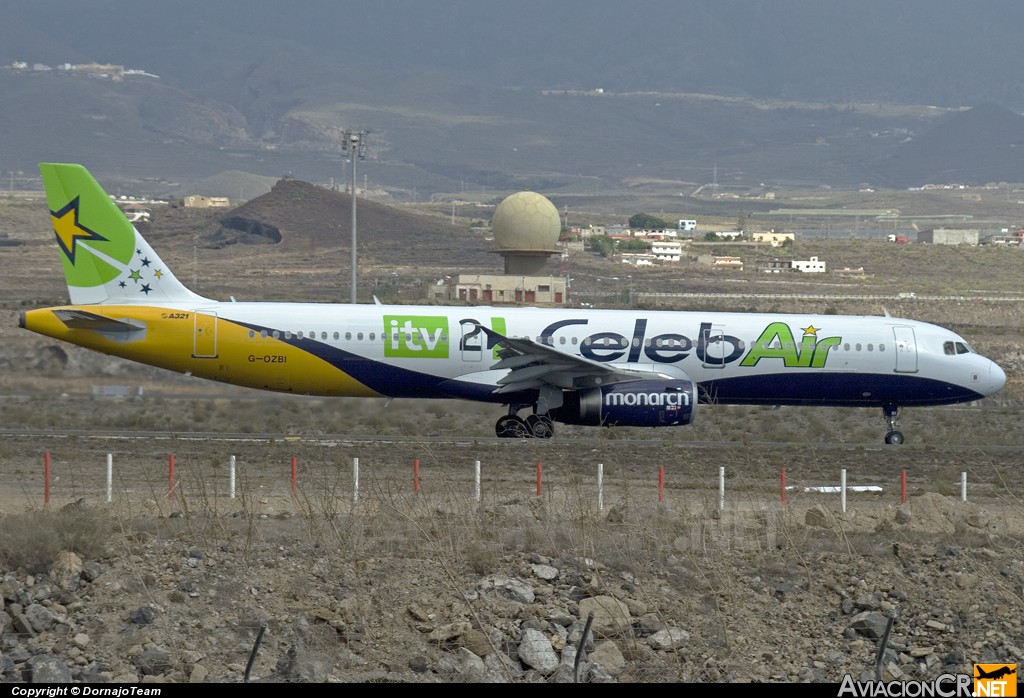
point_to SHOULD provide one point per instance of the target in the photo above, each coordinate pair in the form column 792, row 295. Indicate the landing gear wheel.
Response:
column 894, row 437
column 540, row 427
column 511, row 426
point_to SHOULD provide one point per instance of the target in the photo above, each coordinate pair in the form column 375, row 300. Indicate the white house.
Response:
column 667, row 250
column 812, row 265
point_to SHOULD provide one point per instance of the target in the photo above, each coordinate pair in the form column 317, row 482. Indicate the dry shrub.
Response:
column 31, row 541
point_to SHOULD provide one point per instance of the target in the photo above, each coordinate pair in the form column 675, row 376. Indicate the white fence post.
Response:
column 842, row 489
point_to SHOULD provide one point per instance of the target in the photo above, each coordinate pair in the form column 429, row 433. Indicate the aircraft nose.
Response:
column 997, row 378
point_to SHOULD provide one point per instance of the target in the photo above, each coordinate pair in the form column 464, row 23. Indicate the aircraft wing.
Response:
column 531, row 364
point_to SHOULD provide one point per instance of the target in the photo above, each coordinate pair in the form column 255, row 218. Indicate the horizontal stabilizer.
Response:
column 84, row 320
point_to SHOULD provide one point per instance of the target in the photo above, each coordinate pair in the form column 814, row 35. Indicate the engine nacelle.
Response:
column 642, row 403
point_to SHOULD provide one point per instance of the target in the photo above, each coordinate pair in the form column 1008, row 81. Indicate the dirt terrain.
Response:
column 359, row 542
column 387, row 562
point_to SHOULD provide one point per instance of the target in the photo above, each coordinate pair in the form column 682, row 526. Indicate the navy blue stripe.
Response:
column 835, row 390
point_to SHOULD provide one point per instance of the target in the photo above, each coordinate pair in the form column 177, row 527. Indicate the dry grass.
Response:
column 32, row 540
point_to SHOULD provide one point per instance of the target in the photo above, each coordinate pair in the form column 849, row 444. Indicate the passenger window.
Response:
column 263, row 334
column 299, row 335
column 857, row 347
column 871, row 347
column 881, row 347
column 359, row 336
column 337, row 335
column 348, row 336
column 252, row 334
column 561, row 340
column 277, row 334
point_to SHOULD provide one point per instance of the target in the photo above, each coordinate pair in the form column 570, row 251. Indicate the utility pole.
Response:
column 354, row 143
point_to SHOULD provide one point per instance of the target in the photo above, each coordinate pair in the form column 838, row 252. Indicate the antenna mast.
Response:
column 354, row 143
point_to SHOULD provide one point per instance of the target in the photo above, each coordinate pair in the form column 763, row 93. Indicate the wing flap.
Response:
column 532, row 365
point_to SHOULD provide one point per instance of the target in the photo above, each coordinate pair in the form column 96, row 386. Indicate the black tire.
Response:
column 511, row 426
column 894, row 437
column 540, row 427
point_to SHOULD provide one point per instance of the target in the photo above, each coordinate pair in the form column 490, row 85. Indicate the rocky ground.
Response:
column 437, row 585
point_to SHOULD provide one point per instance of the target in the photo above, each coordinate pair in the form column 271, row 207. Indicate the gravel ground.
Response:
column 406, row 580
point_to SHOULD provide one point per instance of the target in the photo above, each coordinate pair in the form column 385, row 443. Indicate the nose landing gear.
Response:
column 891, row 414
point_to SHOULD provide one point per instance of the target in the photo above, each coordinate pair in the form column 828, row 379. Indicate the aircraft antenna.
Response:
column 354, row 143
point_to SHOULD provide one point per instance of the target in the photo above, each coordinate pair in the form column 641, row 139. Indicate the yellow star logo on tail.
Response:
column 69, row 231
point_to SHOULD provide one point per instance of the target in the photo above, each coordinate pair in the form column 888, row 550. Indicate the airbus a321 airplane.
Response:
column 594, row 367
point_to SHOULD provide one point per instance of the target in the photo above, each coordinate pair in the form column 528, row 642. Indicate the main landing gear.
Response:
column 891, row 414
column 512, row 426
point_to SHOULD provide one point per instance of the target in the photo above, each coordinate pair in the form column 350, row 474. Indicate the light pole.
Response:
column 354, row 143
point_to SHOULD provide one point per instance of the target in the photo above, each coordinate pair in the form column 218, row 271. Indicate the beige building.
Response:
column 773, row 238
column 198, row 201
column 501, row 289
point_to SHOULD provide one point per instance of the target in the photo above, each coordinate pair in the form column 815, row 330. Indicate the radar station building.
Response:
column 526, row 228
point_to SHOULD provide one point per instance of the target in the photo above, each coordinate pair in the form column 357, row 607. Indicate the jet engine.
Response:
column 641, row 403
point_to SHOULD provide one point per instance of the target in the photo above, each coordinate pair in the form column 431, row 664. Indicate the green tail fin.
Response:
column 106, row 260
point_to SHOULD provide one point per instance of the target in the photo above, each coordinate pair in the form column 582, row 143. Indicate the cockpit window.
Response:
column 951, row 348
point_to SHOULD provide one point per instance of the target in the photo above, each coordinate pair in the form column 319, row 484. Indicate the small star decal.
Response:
column 158, row 273
column 146, row 289
column 145, row 261
column 811, row 330
column 122, row 284
column 134, row 276
column 69, row 231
